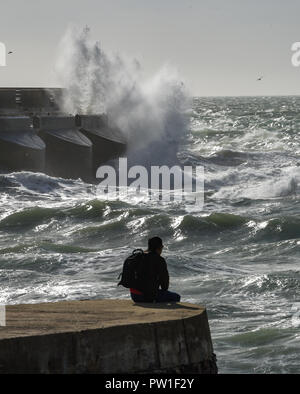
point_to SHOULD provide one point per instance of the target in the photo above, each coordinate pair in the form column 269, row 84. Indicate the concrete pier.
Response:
column 20, row 147
column 106, row 336
column 57, row 144
column 29, row 101
column 108, row 142
column 68, row 151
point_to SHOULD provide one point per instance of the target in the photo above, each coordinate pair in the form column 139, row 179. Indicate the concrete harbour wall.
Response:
column 35, row 135
column 106, row 336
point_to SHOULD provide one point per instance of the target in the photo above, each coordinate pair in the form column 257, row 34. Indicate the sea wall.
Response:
column 106, row 336
column 35, row 135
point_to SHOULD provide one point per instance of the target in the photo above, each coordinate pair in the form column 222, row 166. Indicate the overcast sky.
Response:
column 220, row 47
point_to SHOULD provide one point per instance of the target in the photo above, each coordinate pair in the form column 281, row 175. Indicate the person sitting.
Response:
column 156, row 276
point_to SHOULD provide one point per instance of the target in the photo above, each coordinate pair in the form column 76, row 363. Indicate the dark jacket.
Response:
column 155, row 274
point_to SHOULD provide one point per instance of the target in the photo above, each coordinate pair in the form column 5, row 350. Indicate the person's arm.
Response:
column 163, row 275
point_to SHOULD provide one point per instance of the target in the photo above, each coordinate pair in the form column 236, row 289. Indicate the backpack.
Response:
column 132, row 274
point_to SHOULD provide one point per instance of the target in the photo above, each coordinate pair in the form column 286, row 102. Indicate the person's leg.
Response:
column 139, row 298
column 167, row 296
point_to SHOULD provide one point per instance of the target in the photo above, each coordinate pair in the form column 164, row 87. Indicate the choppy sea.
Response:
column 238, row 255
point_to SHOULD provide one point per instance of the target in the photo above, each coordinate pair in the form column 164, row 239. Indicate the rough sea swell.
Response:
column 239, row 256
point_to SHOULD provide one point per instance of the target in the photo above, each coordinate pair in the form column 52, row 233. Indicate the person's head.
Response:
column 155, row 244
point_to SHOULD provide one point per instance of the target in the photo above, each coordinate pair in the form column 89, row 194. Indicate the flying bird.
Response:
column 260, row 78
column 10, row 52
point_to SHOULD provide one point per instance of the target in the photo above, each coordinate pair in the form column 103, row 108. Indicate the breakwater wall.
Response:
column 35, row 135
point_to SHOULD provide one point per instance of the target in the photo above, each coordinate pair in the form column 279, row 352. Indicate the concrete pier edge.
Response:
column 106, row 336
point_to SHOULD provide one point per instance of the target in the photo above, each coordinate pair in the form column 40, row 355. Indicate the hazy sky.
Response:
column 220, row 47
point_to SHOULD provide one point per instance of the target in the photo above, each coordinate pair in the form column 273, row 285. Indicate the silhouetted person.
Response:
column 155, row 276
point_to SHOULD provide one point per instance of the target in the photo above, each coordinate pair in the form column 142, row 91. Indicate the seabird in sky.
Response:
column 260, row 78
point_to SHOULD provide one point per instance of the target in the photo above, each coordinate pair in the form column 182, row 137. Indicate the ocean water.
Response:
column 239, row 255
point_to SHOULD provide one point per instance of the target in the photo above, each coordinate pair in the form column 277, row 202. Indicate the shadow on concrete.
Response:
column 164, row 305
